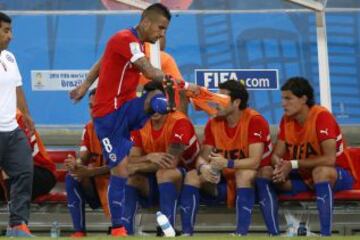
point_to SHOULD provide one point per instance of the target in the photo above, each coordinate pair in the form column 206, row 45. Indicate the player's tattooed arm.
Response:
column 148, row 70
column 176, row 150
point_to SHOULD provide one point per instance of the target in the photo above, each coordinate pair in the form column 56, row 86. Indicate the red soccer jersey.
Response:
column 258, row 131
column 182, row 132
column 326, row 128
column 118, row 77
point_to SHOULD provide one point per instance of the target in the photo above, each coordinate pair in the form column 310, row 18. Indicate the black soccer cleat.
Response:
column 170, row 93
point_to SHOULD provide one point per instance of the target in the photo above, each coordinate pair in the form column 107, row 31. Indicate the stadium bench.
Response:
column 348, row 195
column 58, row 195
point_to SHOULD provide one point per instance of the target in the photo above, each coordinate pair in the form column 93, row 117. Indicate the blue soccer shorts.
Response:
column 113, row 129
column 344, row 181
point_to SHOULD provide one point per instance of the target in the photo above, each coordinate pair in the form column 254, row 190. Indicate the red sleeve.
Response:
column 136, row 138
column 208, row 135
column 258, row 130
column 183, row 131
column 127, row 45
column 326, row 126
column 281, row 130
column 85, row 139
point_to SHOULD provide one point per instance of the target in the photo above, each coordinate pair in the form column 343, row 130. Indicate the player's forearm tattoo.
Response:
column 148, row 70
column 176, row 149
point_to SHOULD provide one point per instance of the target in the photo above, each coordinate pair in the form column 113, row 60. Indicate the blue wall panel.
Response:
column 278, row 40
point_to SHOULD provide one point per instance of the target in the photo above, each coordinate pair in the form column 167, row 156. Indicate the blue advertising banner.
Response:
column 253, row 79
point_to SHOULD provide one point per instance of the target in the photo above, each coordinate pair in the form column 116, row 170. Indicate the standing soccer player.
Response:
column 117, row 110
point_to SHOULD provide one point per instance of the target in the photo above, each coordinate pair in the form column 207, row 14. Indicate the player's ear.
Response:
column 304, row 99
column 237, row 102
column 146, row 22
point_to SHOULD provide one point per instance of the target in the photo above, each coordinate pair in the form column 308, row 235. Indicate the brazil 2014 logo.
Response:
column 253, row 79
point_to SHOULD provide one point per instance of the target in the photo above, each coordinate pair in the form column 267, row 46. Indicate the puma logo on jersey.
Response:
column 179, row 136
column 324, row 131
column 258, row 134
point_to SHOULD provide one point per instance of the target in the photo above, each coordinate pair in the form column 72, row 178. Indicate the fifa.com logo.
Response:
column 213, row 79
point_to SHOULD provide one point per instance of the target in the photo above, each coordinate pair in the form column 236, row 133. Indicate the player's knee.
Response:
column 167, row 175
column 120, row 170
column 324, row 173
column 192, row 178
column 265, row 172
column 245, row 177
column 136, row 181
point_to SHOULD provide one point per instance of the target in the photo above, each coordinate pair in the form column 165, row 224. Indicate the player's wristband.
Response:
column 186, row 85
column 294, row 164
column 183, row 85
column 230, row 163
column 198, row 170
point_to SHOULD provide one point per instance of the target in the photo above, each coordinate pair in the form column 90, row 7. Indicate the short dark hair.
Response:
column 300, row 86
column 153, row 85
column 92, row 92
column 237, row 91
column 157, row 8
column 4, row 18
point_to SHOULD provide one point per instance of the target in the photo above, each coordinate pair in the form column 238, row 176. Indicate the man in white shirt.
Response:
column 15, row 152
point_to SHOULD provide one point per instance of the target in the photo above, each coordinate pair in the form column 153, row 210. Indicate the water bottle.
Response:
column 302, row 231
column 165, row 225
column 55, row 230
column 291, row 230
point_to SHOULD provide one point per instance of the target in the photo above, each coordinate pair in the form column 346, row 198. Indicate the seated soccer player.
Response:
column 236, row 143
column 87, row 179
column 310, row 155
column 164, row 149
column 44, row 178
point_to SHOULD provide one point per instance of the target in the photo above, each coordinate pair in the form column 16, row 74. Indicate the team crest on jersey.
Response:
column 9, row 58
column 112, row 157
column 135, row 48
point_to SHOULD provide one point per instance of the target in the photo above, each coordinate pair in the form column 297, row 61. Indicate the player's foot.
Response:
column 78, row 235
column 20, row 230
column 119, row 232
column 170, row 93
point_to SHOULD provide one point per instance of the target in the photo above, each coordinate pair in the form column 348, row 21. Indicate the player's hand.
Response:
column 194, row 88
column 70, row 163
column 164, row 160
column 281, row 171
column 29, row 124
column 78, row 93
column 275, row 160
column 80, row 172
column 131, row 169
column 217, row 161
column 208, row 174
